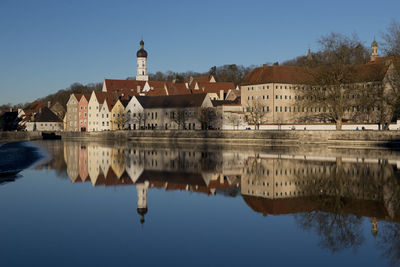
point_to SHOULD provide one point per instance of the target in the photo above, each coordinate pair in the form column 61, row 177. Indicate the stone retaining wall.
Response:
column 19, row 136
column 262, row 137
column 337, row 138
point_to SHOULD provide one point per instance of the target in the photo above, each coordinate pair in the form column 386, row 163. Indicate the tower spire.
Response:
column 374, row 50
column 141, row 63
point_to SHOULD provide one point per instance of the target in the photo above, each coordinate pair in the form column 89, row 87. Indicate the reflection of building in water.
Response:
column 203, row 172
column 142, row 199
column 83, row 162
column 274, row 185
column 284, row 178
column 71, row 158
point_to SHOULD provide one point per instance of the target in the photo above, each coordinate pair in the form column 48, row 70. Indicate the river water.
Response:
column 127, row 204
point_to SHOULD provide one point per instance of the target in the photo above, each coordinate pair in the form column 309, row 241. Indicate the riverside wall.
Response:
column 256, row 137
column 19, row 136
column 237, row 137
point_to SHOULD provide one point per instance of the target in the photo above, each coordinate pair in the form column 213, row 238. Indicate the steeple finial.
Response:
column 309, row 55
column 374, row 50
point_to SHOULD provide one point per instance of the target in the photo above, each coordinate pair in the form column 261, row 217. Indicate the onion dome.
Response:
column 141, row 52
column 141, row 212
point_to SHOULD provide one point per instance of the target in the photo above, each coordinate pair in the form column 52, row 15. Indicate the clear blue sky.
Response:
column 46, row 45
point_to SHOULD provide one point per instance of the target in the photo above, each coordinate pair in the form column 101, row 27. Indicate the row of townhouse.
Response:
column 109, row 112
column 135, row 104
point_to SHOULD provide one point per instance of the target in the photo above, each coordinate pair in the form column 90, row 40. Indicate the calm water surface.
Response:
column 125, row 204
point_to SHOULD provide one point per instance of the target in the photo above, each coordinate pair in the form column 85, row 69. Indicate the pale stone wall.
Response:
column 72, row 115
column 281, row 102
column 104, row 117
column 93, row 113
column 117, row 117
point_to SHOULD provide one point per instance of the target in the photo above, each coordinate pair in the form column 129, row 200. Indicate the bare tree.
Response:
column 139, row 118
column 331, row 87
column 119, row 120
column 391, row 46
column 180, row 117
column 256, row 112
column 207, row 117
column 234, row 119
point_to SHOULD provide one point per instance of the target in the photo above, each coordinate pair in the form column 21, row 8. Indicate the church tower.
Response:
column 141, row 63
column 142, row 199
column 374, row 50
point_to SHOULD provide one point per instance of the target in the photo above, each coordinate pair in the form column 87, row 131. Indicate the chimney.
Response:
column 40, row 110
column 48, row 104
column 138, row 89
column 264, row 65
column 221, row 94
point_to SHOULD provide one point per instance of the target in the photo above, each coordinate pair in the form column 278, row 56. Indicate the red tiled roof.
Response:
column 87, row 97
column 213, row 87
column 370, row 72
column 33, row 107
column 374, row 71
column 178, row 89
column 123, row 85
column 101, row 96
column 156, row 92
column 278, row 74
column 201, row 78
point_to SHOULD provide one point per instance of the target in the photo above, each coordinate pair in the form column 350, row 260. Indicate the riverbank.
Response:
column 346, row 139
column 19, row 136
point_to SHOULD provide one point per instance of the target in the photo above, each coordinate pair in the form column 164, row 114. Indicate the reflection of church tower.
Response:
column 142, row 199
column 374, row 226
column 141, row 63
column 374, row 50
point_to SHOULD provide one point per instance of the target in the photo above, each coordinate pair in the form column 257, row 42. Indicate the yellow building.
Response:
column 118, row 120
